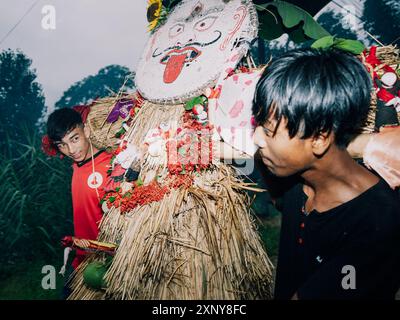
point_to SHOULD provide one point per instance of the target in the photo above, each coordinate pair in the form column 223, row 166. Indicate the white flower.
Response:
column 155, row 148
column 126, row 157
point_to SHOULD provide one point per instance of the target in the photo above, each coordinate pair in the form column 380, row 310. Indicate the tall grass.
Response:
column 35, row 204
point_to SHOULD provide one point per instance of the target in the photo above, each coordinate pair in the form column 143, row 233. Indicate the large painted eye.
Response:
column 205, row 23
column 176, row 29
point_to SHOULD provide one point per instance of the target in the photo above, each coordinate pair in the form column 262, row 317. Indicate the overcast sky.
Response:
column 89, row 35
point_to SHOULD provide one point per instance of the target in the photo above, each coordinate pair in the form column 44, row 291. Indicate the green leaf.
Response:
column 189, row 105
column 139, row 182
column 280, row 17
column 297, row 35
column 202, row 100
column 120, row 133
column 197, row 100
column 270, row 28
column 353, row 46
column 323, row 43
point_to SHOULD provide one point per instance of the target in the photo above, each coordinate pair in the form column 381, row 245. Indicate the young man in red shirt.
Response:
column 71, row 137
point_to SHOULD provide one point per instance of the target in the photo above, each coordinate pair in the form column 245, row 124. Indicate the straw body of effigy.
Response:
column 102, row 133
column 388, row 55
column 198, row 242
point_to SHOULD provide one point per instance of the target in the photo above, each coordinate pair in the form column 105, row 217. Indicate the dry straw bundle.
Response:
column 102, row 132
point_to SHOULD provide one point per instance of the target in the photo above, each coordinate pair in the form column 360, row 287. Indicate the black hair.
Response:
column 315, row 91
column 61, row 122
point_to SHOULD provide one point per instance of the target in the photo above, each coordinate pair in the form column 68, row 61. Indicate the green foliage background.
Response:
column 36, row 214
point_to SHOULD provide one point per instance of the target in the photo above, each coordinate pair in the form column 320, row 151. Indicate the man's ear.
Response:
column 321, row 143
column 86, row 130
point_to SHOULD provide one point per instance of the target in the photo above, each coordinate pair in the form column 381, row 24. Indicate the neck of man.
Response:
column 92, row 150
column 334, row 179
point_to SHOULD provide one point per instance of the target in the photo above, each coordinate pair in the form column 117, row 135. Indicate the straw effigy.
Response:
column 103, row 133
column 196, row 238
column 198, row 242
column 388, row 55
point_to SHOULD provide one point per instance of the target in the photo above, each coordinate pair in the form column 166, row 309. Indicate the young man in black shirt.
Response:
column 340, row 235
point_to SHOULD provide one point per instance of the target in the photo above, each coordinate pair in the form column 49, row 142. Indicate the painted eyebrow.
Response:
column 212, row 10
column 200, row 15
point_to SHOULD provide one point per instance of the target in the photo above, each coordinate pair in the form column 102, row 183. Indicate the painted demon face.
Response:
column 188, row 52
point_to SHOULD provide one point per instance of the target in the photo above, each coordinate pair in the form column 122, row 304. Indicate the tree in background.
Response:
column 263, row 50
column 382, row 20
column 333, row 22
column 107, row 81
column 21, row 97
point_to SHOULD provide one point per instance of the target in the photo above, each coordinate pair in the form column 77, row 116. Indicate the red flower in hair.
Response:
column 48, row 146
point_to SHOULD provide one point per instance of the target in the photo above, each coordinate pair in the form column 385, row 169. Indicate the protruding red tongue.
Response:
column 174, row 67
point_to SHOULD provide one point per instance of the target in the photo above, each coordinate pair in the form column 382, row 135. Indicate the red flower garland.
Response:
column 184, row 157
column 142, row 195
column 139, row 196
column 48, row 146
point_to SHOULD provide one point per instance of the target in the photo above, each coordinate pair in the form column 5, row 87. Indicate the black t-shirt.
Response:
column 349, row 252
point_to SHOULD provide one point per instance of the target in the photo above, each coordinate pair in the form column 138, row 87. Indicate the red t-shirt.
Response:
column 85, row 202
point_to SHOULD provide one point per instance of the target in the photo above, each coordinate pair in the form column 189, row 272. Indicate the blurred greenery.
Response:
column 36, row 214
column 24, row 283
column 269, row 228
